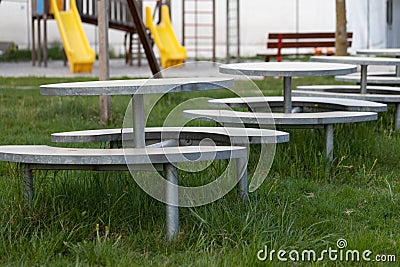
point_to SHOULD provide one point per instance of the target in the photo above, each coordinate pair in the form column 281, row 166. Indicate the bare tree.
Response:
column 341, row 31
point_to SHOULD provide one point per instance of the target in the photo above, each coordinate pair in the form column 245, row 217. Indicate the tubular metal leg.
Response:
column 241, row 172
column 171, row 194
column 363, row 81
column 28, row 180
column 287, row 94
column 138, row 121
column 329, row 142
column 397, row 117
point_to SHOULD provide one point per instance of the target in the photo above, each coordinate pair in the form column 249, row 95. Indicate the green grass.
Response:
column 303, row 204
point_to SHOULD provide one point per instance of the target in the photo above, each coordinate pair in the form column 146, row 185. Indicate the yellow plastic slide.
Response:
column 80, row 56
column 171, row 51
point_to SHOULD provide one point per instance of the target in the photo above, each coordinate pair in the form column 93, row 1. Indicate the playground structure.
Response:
column 76, row 46
column 199, row 29
column 171, row 51
column 126, row 16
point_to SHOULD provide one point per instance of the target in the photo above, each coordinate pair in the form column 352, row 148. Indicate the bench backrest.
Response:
column 304, row 40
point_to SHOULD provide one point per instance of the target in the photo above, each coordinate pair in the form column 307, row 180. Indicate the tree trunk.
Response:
column 341, row 32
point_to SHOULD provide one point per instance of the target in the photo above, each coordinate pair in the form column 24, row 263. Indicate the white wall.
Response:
column 258, row 18
column 14, row 21
column 367, row 20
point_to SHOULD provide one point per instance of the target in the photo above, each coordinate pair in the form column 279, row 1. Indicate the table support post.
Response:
column 397, row 71
column 138, row 120
column 287, row 94
column 363, row 81
column 329, row 142
column 397, row 117
column 28, row 181
column 171, row 206
column 241, row 170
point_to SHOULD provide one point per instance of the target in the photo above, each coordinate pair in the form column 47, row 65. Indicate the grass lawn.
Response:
column 84, row 218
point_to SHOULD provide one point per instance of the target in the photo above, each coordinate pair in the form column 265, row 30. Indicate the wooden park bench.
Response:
column 296, row 44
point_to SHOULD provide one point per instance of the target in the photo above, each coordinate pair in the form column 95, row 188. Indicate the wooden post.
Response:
column 104, row 68
column 33, row 42
column 39, row 52
column 45, row 40
column 341, row 31
column 144, row 39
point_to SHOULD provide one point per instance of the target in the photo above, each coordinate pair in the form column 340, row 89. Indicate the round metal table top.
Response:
column 136, row 86
column 288, row 69
column 357, row 60
column 380, row 52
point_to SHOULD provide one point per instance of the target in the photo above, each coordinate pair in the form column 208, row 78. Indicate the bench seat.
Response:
column 281, row 119
column 61, row 157
column 371, row 89
column 381, row 94
column 185, row 134
column 275, row 102
column 386, row 80
column 285, row 120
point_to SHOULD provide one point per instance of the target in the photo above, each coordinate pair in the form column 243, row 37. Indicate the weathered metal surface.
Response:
column 218, row 134
column 38, row 154
column 138, row 86
column 281, row 119
column 317, row 102
column 288, row 69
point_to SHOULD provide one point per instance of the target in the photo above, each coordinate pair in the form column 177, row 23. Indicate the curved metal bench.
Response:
column 185, row 135
column 305, row 103
column 39, row 157
column 374, row 79
column 382, row 94
column 288, row 120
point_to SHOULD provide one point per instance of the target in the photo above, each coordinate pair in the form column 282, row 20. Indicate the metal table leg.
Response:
column 397, row 117
column 329, row 142
column 287, row 94
column 28, row 180
column 363, row 81
column 138, row 121
column 171, row 195
column 242, row 186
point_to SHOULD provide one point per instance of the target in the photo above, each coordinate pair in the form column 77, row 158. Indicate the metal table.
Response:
column 298, row 69
column 137, row 89
column 362, row 61
column 288, row 70
column 391, row 52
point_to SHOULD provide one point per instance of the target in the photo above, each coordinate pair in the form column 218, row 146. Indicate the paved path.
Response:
column 118, row 68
